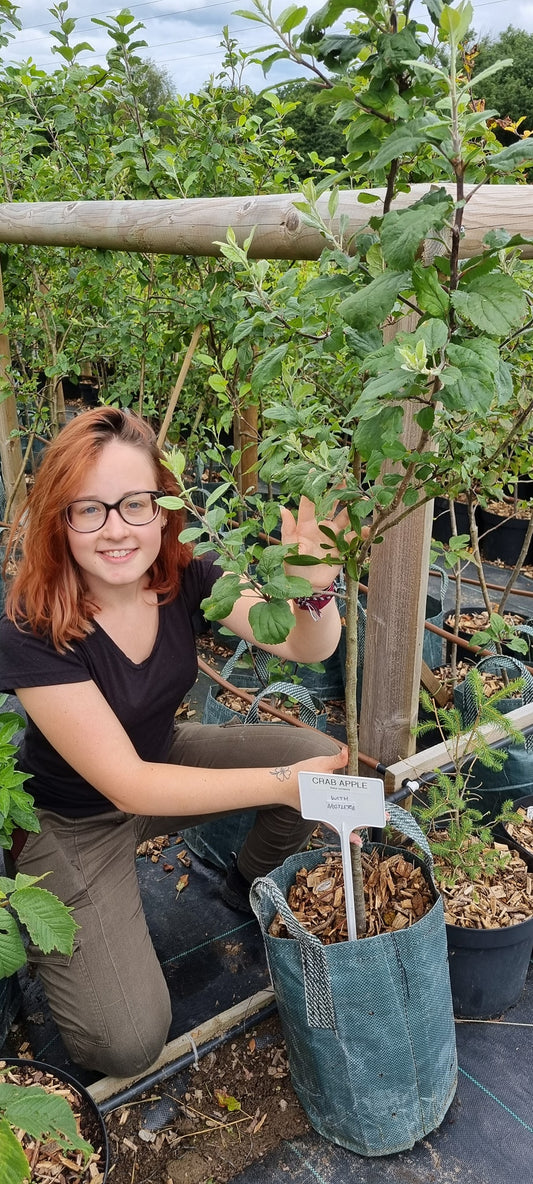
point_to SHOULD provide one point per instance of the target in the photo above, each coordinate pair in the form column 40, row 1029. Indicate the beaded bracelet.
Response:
column 314, row 604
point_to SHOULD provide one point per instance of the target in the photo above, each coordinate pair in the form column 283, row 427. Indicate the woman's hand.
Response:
column 288, row 775
column 304, row 532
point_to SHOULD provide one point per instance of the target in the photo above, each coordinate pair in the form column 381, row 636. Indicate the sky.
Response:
column 184, row 36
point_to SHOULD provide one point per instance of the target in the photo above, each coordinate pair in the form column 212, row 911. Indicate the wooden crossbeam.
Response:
column 194, row 226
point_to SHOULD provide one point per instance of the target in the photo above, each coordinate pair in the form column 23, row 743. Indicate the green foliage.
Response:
column 510, row 92
column 16, row 806
column 41, row 1115
column 459, row 834
column 47, row 920
column 50, row 926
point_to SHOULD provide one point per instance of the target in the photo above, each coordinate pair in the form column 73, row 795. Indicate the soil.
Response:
column 396, row 895
column 491, row 902
column 508, row 509
column 239, row 1106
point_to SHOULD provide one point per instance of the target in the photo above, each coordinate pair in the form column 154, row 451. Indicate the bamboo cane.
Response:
column 179, row 383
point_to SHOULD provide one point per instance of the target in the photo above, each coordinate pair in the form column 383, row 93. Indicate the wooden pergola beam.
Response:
column 194, row 226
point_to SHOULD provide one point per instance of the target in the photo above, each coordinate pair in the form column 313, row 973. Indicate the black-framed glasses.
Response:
column 87, row 514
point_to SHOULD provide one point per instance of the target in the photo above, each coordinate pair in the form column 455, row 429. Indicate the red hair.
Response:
column 47, row 591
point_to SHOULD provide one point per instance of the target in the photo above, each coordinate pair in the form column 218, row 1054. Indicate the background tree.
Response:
column 510, row 92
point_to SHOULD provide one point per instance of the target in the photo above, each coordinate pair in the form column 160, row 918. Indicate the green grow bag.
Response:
column 488, row 787
column 368, row 1024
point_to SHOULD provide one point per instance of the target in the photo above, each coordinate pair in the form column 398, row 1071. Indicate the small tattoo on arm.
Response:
column 282, row 773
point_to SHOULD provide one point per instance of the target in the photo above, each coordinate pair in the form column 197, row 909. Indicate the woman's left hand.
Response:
column 305, row 533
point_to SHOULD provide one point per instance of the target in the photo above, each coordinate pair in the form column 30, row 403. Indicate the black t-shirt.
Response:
column 144, row 695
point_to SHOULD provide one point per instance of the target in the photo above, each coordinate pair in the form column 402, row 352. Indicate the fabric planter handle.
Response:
column 308, row 710
column 493, row 664
column 259, row 662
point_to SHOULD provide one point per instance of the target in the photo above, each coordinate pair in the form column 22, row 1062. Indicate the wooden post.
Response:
column 396, row 609
column 10, row 449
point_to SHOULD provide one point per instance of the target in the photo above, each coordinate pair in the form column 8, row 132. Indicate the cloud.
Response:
column 184, row 36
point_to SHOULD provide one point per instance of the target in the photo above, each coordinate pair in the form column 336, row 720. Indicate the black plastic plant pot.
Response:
column 467, row 635
column 525, row 852
column 488, row 968
column 502, row 538
column 93, row 1127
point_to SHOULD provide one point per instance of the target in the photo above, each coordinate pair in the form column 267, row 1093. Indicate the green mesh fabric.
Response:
column 368, row 1024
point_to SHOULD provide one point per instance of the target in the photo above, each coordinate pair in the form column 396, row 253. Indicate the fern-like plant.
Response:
column 460, row 836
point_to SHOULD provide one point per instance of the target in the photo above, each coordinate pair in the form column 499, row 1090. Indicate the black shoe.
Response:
column 235, row 891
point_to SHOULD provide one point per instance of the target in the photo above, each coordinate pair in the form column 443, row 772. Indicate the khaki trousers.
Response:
column 109, row 999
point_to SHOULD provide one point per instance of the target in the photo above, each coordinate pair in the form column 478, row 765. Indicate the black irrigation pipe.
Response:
column 184, row 1062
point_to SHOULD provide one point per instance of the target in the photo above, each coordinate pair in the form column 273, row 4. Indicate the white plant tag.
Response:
column 529, row 813
column 345, row 804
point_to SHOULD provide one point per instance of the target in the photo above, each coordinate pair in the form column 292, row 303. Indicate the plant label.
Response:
column 529, row 814
column 345, row 804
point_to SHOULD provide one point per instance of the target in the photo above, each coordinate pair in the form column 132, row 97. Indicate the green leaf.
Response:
column 376, row 431
column 41, row 1114
column 217, row 383
column 15, row 1166
column 403, row 231
column 268, row 368
column 431, row 297
column 48, row 921
column 493, row 303
column 291, row 17
column 224, row 593
column 368, row 307
column 425, row 418
column 406, row 140
column 271, row 621
column 512, row 157
column 455, row 22
column 434, row 333
column 473, row 367
column 12, row 952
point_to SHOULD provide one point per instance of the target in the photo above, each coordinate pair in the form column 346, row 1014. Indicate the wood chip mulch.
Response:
column 472, row 621
column 508, row 510
column 491, row 902
column 396, row 895
column 522, row 832
column 491, row 682
column 49, row 1163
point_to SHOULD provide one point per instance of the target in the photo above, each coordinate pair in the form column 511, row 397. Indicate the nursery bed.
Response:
column 214, row 958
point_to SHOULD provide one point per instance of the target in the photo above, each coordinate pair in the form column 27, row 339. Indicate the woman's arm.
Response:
column 310, row 640
column 79, row 723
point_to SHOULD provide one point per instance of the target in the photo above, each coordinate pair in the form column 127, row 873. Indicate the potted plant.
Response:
column 488, row 905
column 42, row 1112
